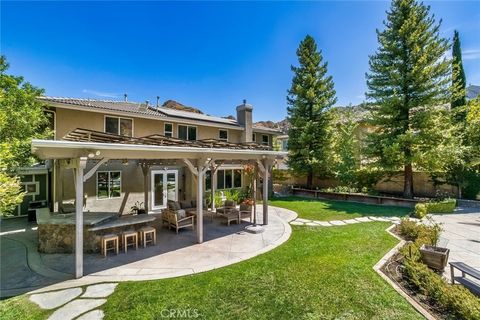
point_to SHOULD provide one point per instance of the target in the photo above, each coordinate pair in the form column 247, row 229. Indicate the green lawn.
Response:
column 319, row 273
column 326, row 210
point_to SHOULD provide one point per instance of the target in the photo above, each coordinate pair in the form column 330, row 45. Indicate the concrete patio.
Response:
column 23, row 269
column 461, row 234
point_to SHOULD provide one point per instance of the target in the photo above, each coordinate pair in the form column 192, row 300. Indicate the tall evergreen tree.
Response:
column 407, row 84
column 459, row 81
column 309, row 98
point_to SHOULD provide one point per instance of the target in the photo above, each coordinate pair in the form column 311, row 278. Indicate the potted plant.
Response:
column 433, row 256
column 138, row 208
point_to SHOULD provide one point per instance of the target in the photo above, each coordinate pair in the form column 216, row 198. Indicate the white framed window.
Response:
column 31, row 188
column 168, row 129
column 187, row 132
column 265, row 139
column 118, row 125
column 223, row 135
column 109, row 184
column 226, row 179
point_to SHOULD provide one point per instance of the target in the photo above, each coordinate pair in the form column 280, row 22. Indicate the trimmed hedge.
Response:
column 444, row 206
column 420, row 210
column 454, row 298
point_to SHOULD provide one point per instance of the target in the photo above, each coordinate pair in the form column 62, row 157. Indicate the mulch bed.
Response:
column 395, row 271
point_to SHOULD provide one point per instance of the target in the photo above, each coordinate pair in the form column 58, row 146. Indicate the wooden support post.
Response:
column 266, row 167
column 79, row 217
column 145, row 168
column 200, row 175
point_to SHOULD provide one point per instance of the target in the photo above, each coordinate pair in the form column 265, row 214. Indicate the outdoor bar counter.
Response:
column 56, row 232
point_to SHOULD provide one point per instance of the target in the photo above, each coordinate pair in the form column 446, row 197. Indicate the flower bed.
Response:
column 355, row 197
column 428, row 288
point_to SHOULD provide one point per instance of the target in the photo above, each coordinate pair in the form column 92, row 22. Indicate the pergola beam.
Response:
column 92, row 171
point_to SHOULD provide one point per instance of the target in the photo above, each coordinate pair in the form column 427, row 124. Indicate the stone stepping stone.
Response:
column 363, row 219
column 324, row 223
column 55, row 299
column 337, row 223
column 101, row 290
column 75, row 308
column 379, row 219
column 297, row 223
column 393, row 218
column 351, row 221
column 313, row 224
column 92, row 315
column 303, row 220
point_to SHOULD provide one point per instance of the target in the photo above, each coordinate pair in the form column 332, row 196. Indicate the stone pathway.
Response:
column 70, row 305
column 317, row 223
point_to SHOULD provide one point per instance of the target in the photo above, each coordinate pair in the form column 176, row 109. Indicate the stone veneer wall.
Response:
column 60, row 238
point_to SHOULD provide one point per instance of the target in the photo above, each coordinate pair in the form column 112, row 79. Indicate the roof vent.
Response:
column 158, row 101
column 125, row 97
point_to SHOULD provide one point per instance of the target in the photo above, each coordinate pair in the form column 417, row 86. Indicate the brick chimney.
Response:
column 244, row 118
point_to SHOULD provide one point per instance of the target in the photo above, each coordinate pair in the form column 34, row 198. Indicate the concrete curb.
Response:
column 377, row 267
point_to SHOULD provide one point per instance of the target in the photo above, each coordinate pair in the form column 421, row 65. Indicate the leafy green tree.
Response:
column 10, row 195
column 459, row 81
column 408, row 85
column 22, row 119
column 309, row 98
column 346, row 147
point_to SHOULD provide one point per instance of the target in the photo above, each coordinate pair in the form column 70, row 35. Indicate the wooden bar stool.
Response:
column 129, row 235
column 144, row 232
column 109, row 238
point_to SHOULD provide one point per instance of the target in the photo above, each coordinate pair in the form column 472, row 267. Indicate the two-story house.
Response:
column 117, row 184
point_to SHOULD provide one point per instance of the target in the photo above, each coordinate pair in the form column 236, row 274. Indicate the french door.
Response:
column 164, row 188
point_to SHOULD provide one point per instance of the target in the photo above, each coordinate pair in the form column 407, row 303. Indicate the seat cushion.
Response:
column 185, row 204
column 181, row 214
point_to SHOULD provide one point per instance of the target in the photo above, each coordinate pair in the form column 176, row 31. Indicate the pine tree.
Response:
column 459, row 81
column 309, row 98
column 408, row 84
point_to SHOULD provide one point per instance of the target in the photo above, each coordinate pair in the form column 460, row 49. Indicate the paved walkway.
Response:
column 174, row 255
column 461, row 234
column 317, row 223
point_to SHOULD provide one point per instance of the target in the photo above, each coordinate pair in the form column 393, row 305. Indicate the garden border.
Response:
column 377, row 267
column 355, row 197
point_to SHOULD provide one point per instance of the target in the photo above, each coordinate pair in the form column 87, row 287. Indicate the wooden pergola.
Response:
column 82, row 145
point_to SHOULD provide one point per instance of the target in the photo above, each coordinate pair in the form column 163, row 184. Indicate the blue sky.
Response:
column 209, row 55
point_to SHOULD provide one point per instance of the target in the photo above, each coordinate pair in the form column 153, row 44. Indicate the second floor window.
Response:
column 265, row 139
column 120, row 126
column 223, row 135
column 168, row 130
column 187, row 132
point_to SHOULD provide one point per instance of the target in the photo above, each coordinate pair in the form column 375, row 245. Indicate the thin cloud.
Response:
column 101, row 94
column 472, row 54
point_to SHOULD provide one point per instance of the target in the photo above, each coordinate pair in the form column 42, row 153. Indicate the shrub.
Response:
column 444, row 206
column 420, row 233
column 420, row 210
column 456, row 299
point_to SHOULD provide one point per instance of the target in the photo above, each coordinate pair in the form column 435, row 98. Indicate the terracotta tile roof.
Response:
column 138, row 108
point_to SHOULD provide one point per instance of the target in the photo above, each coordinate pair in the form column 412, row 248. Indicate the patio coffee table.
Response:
column 193, row 212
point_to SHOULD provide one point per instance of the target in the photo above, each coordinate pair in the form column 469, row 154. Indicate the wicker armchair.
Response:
column 173, row 220
column 228, row 206
column 245, row 211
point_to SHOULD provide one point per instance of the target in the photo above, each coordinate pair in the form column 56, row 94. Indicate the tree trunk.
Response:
column 408, row 182
column 310, row 179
